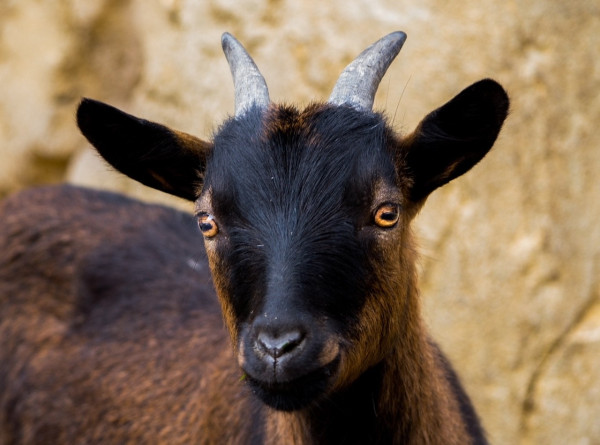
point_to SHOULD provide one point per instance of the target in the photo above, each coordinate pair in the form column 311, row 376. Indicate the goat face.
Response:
column 305, row 215
column 296, row 198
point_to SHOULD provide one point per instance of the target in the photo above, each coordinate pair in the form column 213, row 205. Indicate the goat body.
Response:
column 112, row 332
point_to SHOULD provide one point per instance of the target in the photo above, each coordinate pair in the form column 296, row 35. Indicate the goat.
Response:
column 111, row 332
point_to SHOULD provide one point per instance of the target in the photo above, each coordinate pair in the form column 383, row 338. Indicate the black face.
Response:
column 291, row 218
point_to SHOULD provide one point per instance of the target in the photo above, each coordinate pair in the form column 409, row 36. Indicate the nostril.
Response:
column 278, row 345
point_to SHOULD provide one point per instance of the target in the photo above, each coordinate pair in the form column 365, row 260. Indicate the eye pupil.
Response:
column 205, row 227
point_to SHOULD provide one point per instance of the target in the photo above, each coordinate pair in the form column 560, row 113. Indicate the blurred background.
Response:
column 510, row 252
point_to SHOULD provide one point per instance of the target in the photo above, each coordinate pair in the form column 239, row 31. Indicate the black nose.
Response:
column 278, row 345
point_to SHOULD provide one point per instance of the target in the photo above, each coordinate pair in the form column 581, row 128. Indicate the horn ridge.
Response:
column 359, row 81
column 249, row 84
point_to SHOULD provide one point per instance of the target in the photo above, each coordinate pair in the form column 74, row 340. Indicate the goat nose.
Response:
column 279, row 345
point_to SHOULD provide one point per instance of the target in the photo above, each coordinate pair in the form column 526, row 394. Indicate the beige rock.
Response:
column 566, row 386
column 511, row 256
column 50, row 54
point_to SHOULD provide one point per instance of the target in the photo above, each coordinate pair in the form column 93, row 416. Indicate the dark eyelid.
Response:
column 397, row 206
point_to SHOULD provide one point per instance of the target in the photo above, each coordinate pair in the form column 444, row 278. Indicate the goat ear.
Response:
column 455, row 137
column 156, row 156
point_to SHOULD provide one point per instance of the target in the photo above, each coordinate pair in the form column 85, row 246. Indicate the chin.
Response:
column 298, row 393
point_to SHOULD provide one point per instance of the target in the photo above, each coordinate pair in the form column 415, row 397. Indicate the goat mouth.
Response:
column 297, row 393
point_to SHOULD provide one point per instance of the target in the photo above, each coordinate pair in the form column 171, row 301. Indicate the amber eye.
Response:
column 208, row 225
column 387, row 215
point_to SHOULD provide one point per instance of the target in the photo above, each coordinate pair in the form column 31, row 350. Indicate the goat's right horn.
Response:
column 249, row 84
column 358, row 83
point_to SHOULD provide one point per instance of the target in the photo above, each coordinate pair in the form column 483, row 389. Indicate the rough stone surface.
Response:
column 511, row 252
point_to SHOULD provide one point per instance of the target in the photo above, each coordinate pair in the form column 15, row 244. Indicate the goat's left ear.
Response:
column 453, row 138
column 156, row 156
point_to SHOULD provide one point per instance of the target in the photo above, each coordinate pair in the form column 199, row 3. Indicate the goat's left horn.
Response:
column 358, row 83
column 249, row 84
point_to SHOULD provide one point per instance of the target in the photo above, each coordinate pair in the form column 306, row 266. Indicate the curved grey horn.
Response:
column 358, row 83
column 250, row 86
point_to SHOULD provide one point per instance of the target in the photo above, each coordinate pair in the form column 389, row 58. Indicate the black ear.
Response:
column 165, row 159
column 455, row 137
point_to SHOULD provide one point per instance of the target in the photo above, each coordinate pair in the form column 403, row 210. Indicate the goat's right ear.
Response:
column 455, row 137
column 156, row 156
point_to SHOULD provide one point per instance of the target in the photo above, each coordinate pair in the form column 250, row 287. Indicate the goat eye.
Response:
column 387, row 215
column 208, row 225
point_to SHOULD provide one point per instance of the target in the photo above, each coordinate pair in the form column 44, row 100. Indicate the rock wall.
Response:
column 511, row 252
